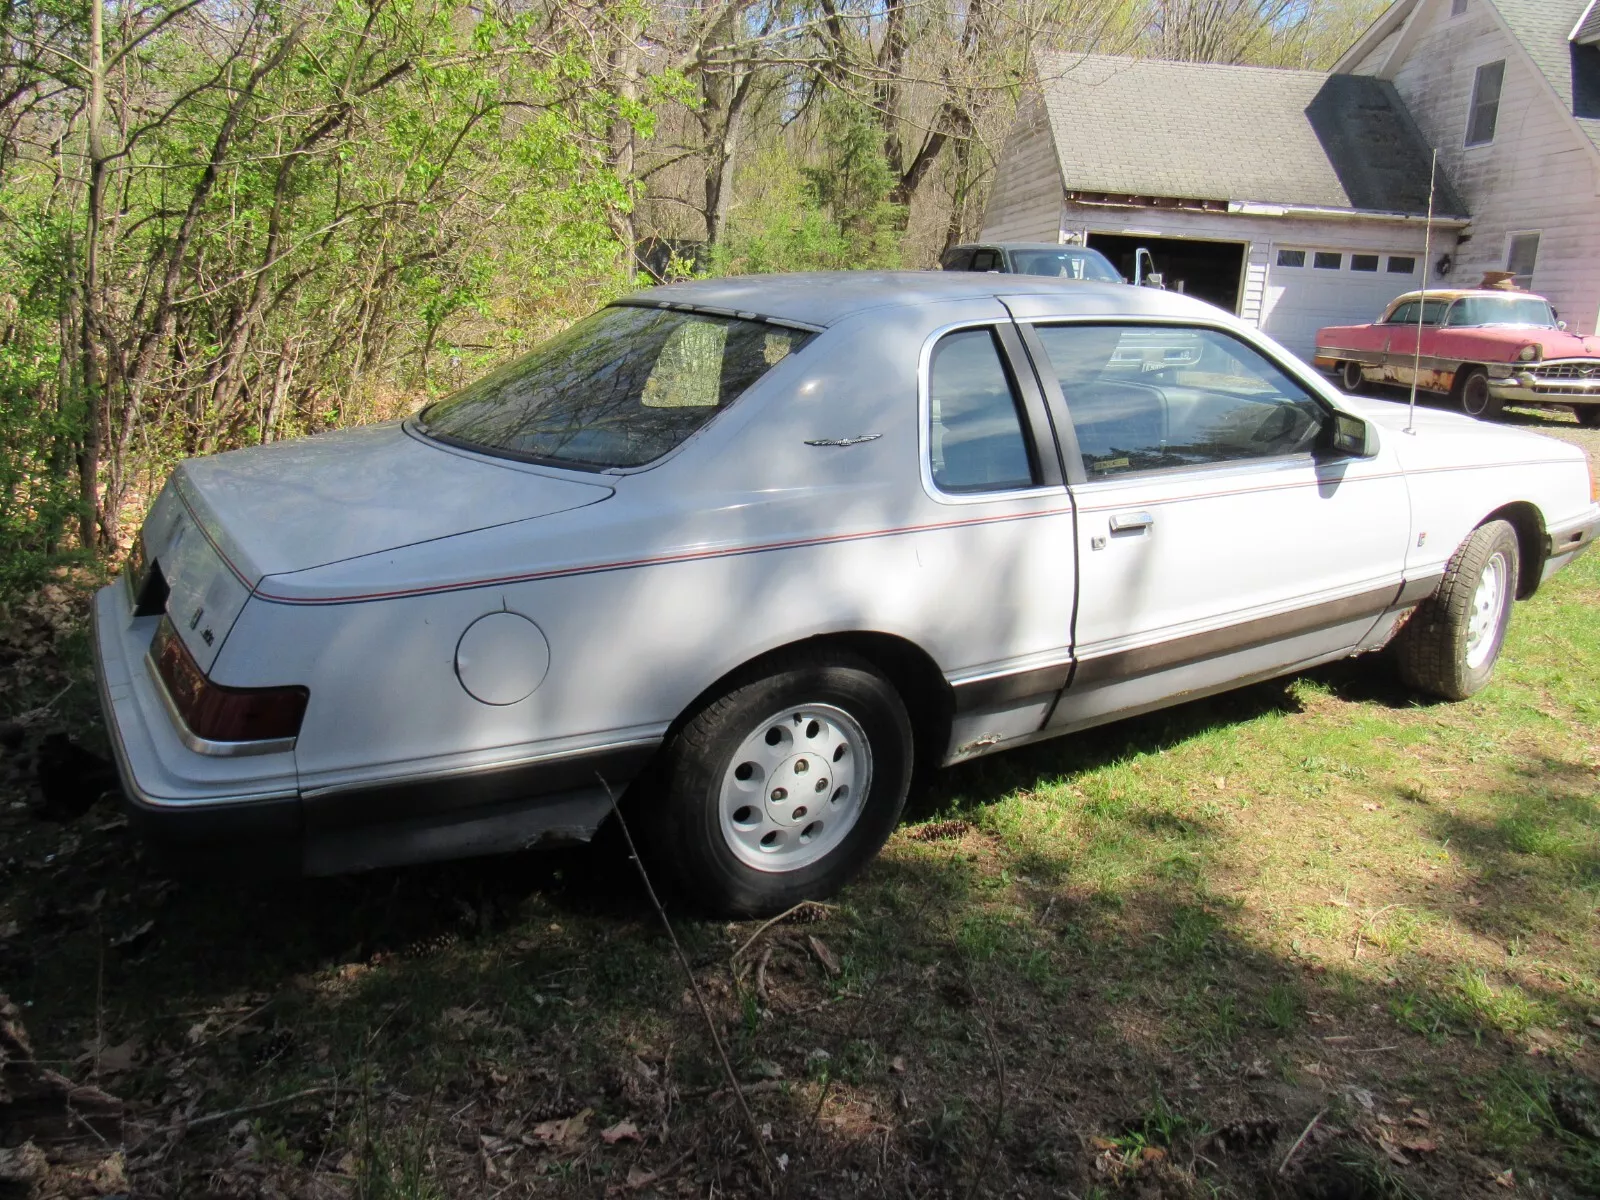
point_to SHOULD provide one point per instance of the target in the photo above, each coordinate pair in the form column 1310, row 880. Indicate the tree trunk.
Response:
column 92, row 529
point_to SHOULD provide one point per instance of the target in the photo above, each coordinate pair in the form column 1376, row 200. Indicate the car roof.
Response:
column 1459, row 293
column 1024, row 246
column 826, row 297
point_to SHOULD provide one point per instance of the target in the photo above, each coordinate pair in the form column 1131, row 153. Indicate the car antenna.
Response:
column 1422, row 304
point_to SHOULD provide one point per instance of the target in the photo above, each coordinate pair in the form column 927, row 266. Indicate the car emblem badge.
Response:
column 195, row 620
column 848, row 441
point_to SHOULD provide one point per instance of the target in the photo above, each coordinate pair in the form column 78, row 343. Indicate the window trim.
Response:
column 1472, row 104
column 1035, row 421
column 1061, row 413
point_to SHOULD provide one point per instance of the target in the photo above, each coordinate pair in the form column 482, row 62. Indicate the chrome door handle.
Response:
column 1131, row 522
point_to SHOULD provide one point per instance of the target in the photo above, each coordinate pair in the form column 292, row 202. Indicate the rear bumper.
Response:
column 170, row 790
column 1569, row 539
column 251, row 809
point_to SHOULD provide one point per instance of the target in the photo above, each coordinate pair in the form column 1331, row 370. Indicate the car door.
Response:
column 1400, row 357
column 1215, row 543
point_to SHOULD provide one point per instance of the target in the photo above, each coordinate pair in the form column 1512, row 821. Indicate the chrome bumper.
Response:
column 1525, row 389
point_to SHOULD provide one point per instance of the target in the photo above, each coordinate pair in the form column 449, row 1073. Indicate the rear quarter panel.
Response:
column 745, row 540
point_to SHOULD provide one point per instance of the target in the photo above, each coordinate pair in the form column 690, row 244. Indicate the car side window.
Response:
column 1153, row 397
column 987, row 260
column 1404, row 314
column 958, row 260
column 976, row 441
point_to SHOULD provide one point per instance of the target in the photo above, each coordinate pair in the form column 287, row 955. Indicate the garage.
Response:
column 1210, row 271
column 1292, row 199
column 1308, row 287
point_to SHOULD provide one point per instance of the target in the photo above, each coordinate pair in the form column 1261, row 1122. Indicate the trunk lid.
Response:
column 224, row 522
column 318, row 500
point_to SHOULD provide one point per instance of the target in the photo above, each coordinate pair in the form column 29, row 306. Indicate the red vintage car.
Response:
column 1484, row 348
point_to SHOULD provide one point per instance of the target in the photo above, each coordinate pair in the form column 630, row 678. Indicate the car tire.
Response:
column 1351, row 378
column 1474, row 396
column 1450, row 645
column 748, row 819
column 1588, row 415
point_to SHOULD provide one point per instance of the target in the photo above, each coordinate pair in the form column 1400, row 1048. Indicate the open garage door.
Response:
column 1212, row 271
column 1309, row 288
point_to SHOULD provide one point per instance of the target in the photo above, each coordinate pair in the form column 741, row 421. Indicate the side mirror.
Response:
column 1155, row 279
column 1350, row 437
column 1561, row 325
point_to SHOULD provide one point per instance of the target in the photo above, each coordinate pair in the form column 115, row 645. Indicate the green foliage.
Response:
column 833, row 215
column 37, row 420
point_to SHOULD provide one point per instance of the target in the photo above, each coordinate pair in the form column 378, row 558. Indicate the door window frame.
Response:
column 1035, row 418
column 1061, row 413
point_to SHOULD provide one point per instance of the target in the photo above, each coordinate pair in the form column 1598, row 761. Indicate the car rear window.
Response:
column 618, row 389
column 1065, row 264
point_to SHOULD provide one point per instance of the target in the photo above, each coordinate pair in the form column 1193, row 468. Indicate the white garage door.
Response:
column 1308, row 288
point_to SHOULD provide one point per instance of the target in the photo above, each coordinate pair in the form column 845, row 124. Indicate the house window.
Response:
column 1327, row 261
column 1363, row 262
column 1485, row 103
column 1521, row 256
column 1458, row 8
column 1291, row 258
column 1402, row 264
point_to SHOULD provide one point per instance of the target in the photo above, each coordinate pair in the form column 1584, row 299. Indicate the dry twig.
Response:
column 1300, row 1141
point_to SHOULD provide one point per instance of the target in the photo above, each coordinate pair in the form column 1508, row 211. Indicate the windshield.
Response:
column 1065, row 264
column 1502, row 310
column 618, row 389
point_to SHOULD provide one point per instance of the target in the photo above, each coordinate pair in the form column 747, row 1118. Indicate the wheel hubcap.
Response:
column 795, row 787
column 1475, row 396
column 1352, row 376
column 1483, row 621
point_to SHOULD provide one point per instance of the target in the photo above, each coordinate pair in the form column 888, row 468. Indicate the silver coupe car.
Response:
column 745, row 552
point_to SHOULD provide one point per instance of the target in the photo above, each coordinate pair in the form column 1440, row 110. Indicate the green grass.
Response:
column 1148, row 934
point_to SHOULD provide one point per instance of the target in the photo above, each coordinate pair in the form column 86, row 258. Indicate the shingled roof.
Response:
column 1205, row 131
column 1588, row 27
column 1544, row 28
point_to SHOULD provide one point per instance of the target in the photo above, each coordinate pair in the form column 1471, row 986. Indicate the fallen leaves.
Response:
column 622, row 1131
column 566, row 1132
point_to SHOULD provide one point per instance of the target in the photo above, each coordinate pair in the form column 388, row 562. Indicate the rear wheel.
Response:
column 1351, row 377
column 1474, row 396
column 1588, row 415
column 1450, row 645
column 783, row 788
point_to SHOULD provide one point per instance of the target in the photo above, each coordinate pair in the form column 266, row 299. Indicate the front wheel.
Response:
column 782, row 789
column 1588, row 415
column 1352, row 377
column 1450, row 645
column 1475, row 397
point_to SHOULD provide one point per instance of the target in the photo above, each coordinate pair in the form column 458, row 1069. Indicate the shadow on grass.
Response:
column 997, row 1019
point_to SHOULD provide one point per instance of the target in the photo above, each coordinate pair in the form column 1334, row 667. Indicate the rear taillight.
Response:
column 217, row 713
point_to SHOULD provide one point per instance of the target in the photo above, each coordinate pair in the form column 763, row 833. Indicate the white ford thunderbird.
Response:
column 746, row 551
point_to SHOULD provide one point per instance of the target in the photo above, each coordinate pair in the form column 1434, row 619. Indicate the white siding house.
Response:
column 1528, row 167
column 1295, row 199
